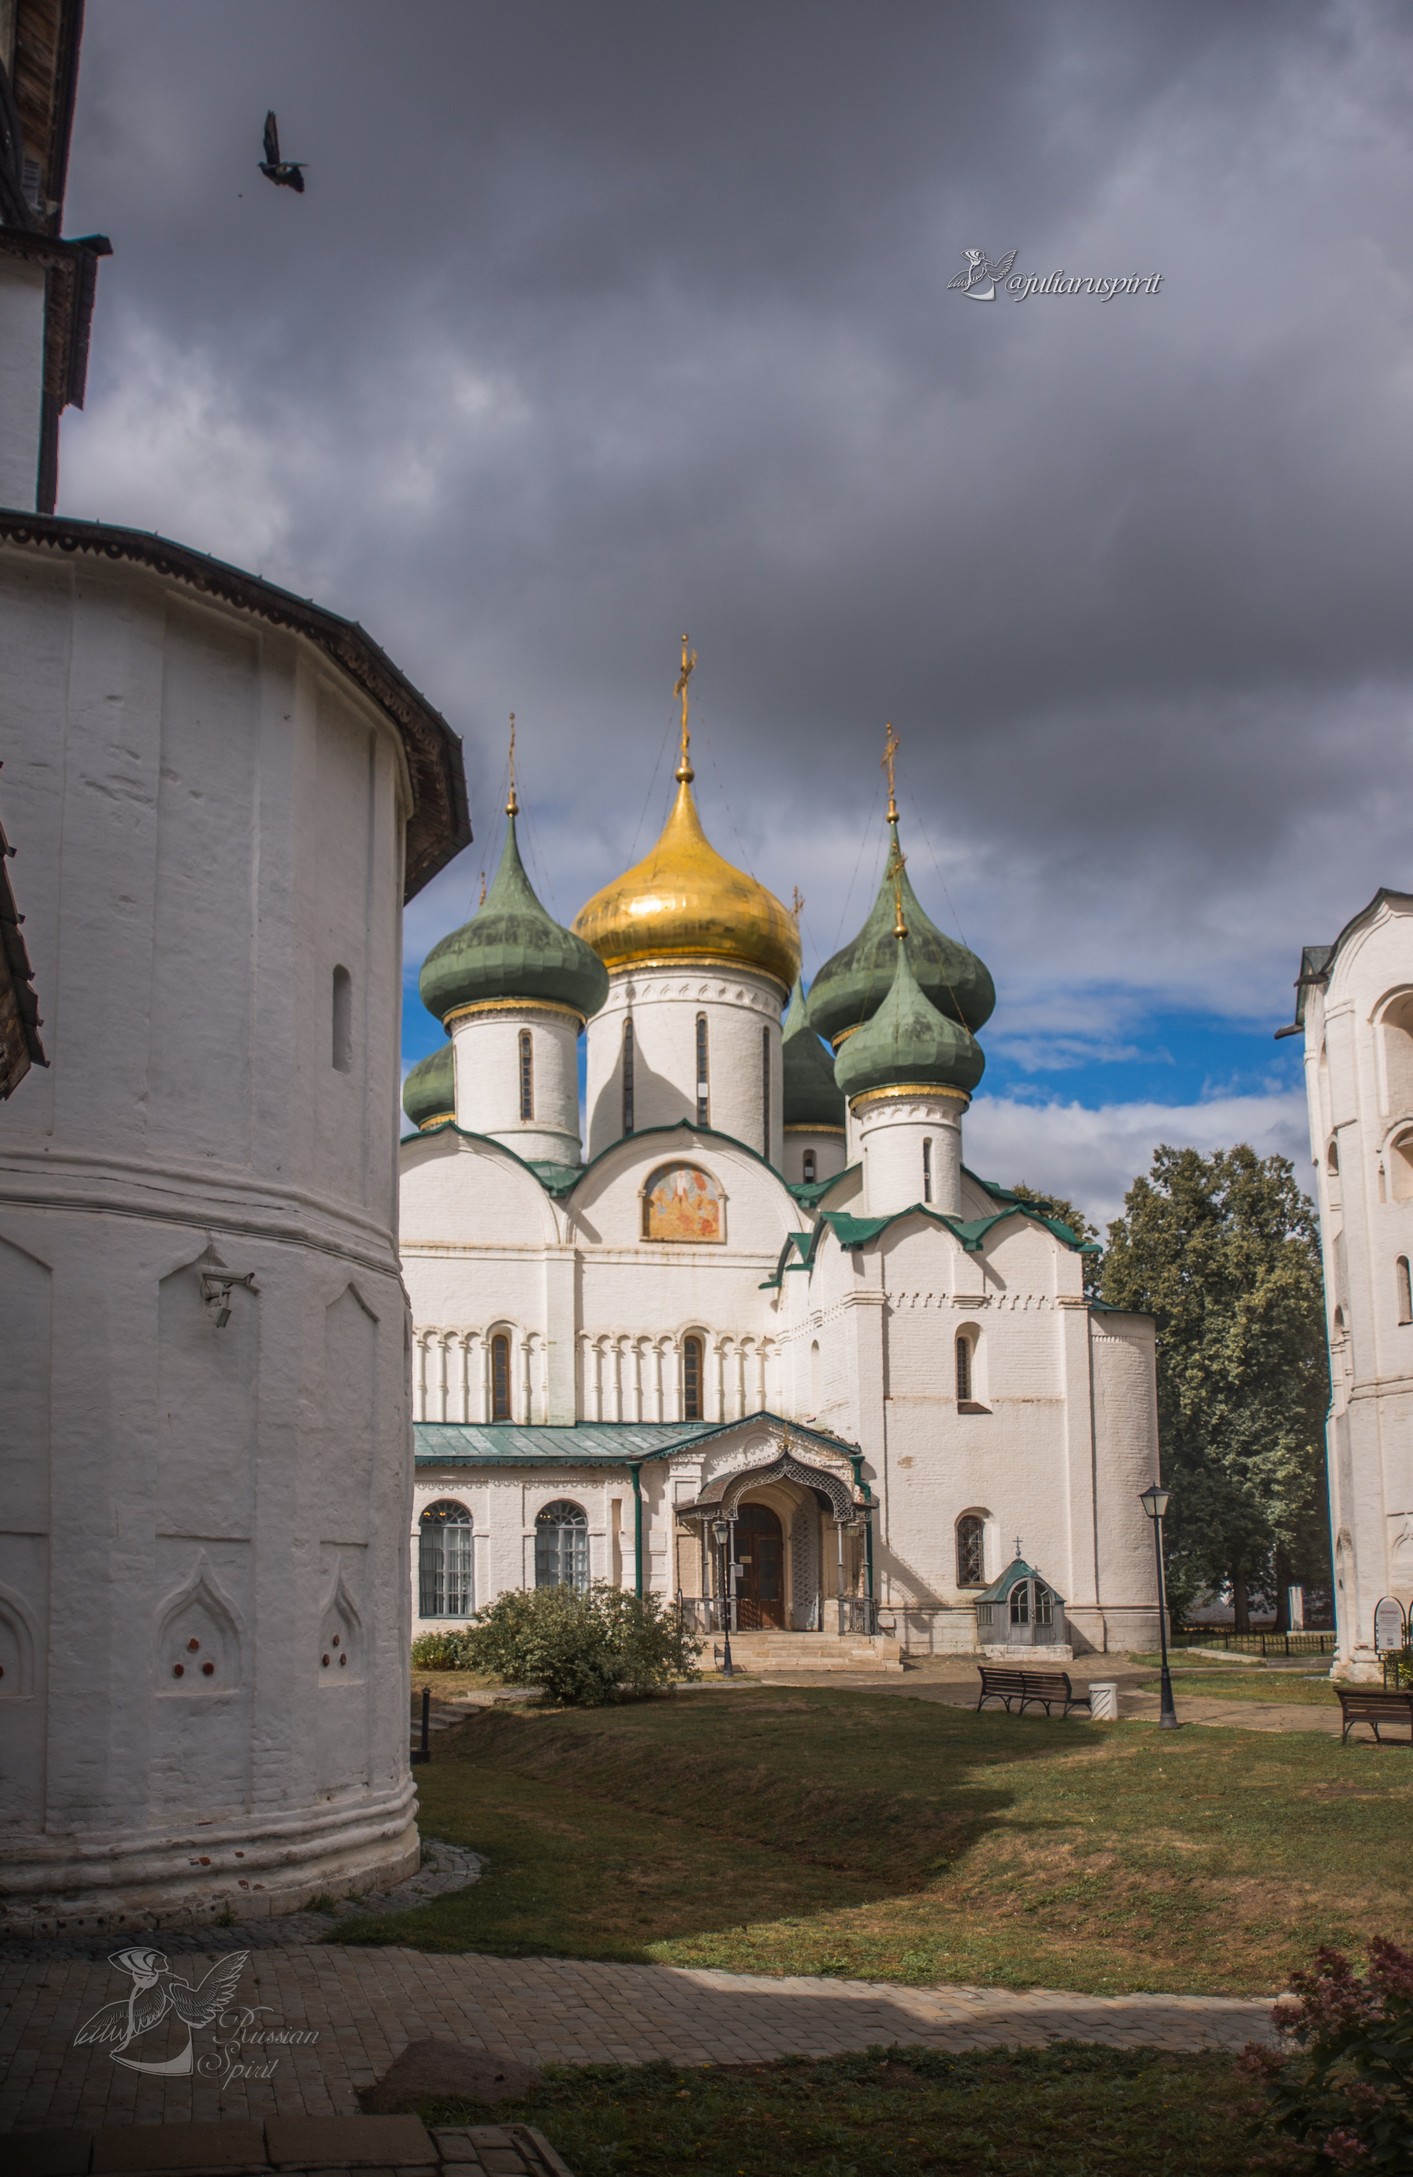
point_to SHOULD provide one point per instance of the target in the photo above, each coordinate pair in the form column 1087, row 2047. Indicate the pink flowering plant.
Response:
column 1343, row 2081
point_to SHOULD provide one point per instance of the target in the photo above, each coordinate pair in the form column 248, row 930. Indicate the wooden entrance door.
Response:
column 760, row 1583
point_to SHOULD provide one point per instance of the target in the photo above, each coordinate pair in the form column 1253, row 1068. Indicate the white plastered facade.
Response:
column 1357, row 1013
column 827, row 1361
column 203, row 1605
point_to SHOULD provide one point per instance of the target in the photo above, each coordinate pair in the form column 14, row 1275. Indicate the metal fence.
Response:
column 1222, row 1636
column 1398, row 1671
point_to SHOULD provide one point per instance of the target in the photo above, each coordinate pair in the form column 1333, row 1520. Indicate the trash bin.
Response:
column 1104, row 1700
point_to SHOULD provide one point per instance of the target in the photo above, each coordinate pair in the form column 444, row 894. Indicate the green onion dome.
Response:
column 908, row 1043
column 853, row 984
column 512, row 949
column 429, row 1092
column 812, row 1095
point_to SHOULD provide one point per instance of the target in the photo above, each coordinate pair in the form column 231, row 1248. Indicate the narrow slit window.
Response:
column 1405, row 1291
column 765, row 1093
column 703, row 1075
column 628, row 1077
column 692, row 1372
column 343, row 1021
column 527, row 1075
column 500, row 1377
column 927, row 1169
column 963, row 1370
column 809, row 1167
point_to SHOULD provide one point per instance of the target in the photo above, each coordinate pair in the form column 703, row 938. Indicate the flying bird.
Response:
column 155, row 1991
column 284, row 173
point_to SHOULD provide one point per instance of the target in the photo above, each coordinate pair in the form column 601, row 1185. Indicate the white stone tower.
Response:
column 1356, row 1009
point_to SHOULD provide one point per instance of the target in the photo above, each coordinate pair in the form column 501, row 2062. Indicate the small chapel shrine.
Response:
column 749, row 1335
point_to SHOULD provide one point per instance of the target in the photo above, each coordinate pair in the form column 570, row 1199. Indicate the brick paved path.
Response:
column 365, row 2005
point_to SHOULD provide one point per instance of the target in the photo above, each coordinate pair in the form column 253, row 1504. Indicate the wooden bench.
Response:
column 1373, row 1706
column 1045, row 1688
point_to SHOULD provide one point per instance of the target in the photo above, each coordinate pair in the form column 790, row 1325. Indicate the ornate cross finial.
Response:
column 1019, row 1551
column 891, row 746
column 685, row 773
column 797, row 905
column 512, row 806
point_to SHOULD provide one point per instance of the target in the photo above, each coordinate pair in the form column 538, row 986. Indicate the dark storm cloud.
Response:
column 598, row 323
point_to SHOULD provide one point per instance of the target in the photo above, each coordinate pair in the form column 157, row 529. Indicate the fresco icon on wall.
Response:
column 681, row 1202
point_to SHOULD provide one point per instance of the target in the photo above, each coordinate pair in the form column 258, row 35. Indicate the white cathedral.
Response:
column 757, row 1341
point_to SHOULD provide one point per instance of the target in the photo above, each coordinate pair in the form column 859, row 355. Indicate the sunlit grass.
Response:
column 877, row 1837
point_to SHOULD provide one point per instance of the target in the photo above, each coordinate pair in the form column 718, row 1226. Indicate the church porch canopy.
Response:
column 620, row 1444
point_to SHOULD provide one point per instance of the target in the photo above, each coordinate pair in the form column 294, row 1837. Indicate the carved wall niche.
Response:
column 198, row 1637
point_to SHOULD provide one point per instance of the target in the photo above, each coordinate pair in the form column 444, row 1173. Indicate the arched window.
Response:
column 809, row 1167
column 693, row 1373
column 1397, row 1027
column 1332, row 1158
column 343, row 1021
column 527, row 1075
column 927, row 1168
column 703, row 1076
column 765, row 1093
column 1405, row 1291
column 562, row 1546
column 445, row 1582
column 964, row 1369
column 628, row 1077
column 500, row 1377
column 1400, row 1162
column 971, row 1550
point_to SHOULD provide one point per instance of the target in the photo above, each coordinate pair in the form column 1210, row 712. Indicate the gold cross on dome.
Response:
column 512, row 805
column 797, row 904
column 891, row 747
column 689, row 662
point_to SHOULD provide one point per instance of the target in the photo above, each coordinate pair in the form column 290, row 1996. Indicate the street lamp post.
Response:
column 722, row 1530
column 1155, row 1503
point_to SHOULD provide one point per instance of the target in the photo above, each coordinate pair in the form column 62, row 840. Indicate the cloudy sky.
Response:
column 601, row 322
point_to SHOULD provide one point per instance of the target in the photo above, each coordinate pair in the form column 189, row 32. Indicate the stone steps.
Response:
column 767, row 1652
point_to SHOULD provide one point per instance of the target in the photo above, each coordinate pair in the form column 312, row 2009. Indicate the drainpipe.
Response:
column 637, row 1474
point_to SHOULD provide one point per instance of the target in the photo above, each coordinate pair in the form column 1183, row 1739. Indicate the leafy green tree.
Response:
column 1223, row 1251
column 580, row 1649
column 1056, row 1205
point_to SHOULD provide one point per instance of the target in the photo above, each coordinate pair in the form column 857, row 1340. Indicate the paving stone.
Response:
column 231, row 2145
column 48, row 2154
column 323, row 2142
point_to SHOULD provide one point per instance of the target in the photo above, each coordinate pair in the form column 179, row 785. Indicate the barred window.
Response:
column 500, row 1377
column 927, row 1169
column 562, row 1546
column 527, row 1075
column 703, row 1076
column 628, row 1077
column 964, row 1373
column 693, row 1354
column 445, row 1579
column 971, row 1550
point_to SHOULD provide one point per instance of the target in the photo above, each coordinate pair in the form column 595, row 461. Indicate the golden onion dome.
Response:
column 684, row 902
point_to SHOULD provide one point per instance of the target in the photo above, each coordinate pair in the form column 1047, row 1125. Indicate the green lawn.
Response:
column 1062, row 2112
column 800, row 1831
column 1293, row 1688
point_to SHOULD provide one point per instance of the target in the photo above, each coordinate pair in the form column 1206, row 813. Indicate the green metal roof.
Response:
column 587, row 1443
column 853, row 984
column 812, row 1095
column 1016, row 1571
column 810, row 1193
column 512, row 948
column 854, row 1232
column 908, row 1042
column 429, row 1092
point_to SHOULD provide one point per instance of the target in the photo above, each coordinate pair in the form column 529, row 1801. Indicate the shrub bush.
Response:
column 1344, row 2086
column 580, row 1649
column 441, row 1652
